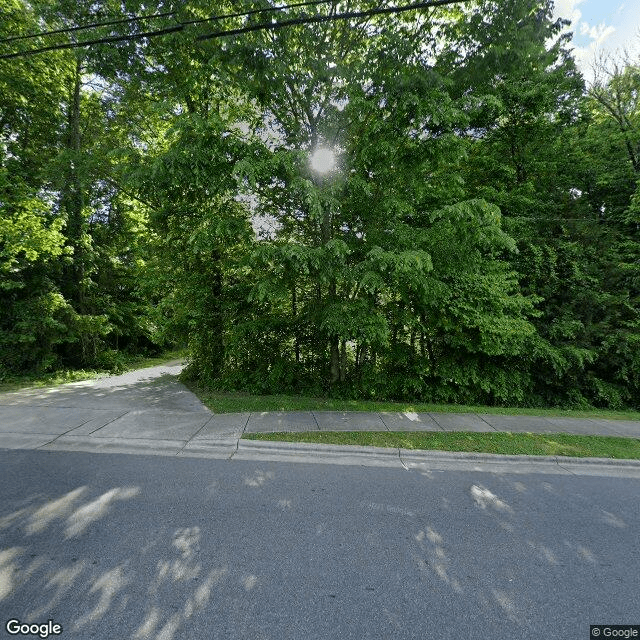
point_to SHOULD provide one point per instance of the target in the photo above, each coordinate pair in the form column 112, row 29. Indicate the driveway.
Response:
column 139, row 410
column 149, row 412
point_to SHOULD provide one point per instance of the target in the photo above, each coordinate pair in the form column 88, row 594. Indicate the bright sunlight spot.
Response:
column 323, row 160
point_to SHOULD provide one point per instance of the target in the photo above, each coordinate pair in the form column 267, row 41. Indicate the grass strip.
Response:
column 238, row 402
column 506, row 443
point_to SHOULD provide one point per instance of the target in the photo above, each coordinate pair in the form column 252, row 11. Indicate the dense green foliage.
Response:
column 479, row 241
column 73, row 248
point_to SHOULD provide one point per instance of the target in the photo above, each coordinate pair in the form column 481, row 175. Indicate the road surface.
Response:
column 151, row 547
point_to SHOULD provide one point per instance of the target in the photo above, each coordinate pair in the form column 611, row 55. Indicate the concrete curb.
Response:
column 235, row 448
column 431, row 460
column 320, row 454
column 497, row 457
column 222, row 448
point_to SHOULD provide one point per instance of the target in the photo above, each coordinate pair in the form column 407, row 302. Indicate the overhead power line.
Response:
column 241, row 14
column 337, row 16
column 88, row 43
column 305, row 19
column 84, row 27
column 587, row 220
column 182, row 23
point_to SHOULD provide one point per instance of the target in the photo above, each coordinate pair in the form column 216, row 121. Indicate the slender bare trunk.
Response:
column 73, row 197
column 334, row 342
column 294, row 311
column 335, row 359
column 343, row 360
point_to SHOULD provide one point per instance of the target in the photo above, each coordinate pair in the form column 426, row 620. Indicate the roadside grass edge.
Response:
column 503, row 443
column 240, row 402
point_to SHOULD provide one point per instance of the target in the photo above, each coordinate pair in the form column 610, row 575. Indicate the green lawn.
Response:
column 531, row 444
column 76, row 375
column 232, row 402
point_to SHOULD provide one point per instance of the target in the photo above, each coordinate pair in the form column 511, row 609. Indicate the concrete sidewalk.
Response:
column 149, row 411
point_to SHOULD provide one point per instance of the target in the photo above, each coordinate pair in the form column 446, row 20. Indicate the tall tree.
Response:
column 57, row 123
column 346, row 288
column 31, row 235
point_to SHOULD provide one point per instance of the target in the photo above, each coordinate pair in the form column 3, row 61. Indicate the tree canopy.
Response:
column 477, row 240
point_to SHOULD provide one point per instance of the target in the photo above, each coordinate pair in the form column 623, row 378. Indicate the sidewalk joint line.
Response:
column 567, row 470
column 384, row 424
column 483, row 420
column 182, row 449
column 197, row 432
column 47, row 443
column 244, row 428
column 64, row 433
column 433, row 415
column 106, row 423
column 247, row 423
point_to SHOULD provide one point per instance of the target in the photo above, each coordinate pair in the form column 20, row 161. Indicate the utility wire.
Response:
column 231, row 32
column 265, row 10
column 588, row 220
column 88, row 43
column 83, row 27
column 109, row 23
column 337, row 16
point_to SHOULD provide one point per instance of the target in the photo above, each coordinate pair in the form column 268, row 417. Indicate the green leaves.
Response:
column 27, row 235
column 478, row 241
column 355, row 320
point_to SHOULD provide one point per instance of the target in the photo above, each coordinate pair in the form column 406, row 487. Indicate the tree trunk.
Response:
column 218, row 328
column 335, row 359
column 432, row 358
column 334, row 343
column 294, row 311
column 73, row 198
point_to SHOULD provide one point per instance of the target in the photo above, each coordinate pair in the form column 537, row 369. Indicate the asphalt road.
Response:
column 146, row 547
